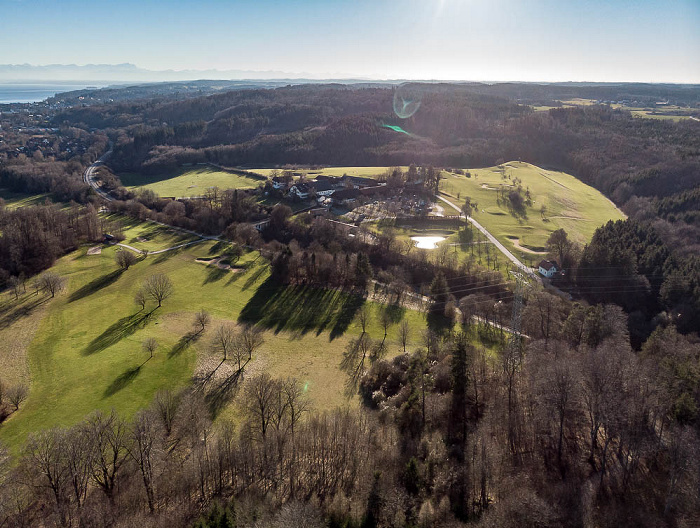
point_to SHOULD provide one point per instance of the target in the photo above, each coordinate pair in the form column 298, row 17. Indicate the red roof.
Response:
column 548, row 264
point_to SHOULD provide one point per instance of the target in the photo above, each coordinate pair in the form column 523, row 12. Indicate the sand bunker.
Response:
column 95, row 250
column 217, row 262
column 516, row 243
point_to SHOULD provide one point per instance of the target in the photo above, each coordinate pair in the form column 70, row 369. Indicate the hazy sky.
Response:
column 529, row 40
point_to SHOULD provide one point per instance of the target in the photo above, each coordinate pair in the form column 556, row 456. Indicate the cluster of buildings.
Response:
column 330, row 190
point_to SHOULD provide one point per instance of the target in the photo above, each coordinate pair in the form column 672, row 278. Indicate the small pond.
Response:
column 427, row 242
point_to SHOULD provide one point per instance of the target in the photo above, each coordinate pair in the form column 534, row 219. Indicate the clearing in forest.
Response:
column 188, row 181
column 548, row 200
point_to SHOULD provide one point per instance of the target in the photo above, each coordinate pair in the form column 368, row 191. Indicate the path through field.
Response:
column 493, row 240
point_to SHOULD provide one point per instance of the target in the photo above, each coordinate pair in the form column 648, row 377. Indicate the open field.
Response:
column 150, row 236
column 83, row 348
column 13, row 200
column 187, row 181
column 570, row 204
column 363, row 172
column 656, row 114
column 665, row 112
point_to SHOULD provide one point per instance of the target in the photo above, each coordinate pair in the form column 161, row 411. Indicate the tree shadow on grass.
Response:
column 253, row 277
column 24, row 307
column 122, row 380
column 223, row 393
column 184, row 343
column 218, row 247
column 118, row 331
column 300, row 309
column 215, row 273
column 95, row 285
column 395, row 312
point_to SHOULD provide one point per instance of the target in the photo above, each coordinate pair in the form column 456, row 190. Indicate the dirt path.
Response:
column 157, row 252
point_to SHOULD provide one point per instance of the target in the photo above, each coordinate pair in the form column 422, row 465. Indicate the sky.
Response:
column 496, row 40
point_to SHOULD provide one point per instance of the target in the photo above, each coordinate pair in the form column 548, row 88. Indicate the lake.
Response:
column 31, row 93
column 427, row 242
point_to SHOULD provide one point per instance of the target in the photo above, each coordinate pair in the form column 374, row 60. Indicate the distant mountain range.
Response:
column 23, row 73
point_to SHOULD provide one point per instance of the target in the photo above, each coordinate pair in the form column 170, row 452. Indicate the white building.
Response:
column 548, row 268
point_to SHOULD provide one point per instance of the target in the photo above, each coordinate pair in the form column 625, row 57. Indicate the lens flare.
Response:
column 407, row 99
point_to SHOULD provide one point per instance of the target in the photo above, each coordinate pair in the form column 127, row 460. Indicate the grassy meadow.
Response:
column 13, row 199
column 362, row 172
column 665, row 112
column 149, row 236
column 82, row 350
column 187, row 181
column 570, row 204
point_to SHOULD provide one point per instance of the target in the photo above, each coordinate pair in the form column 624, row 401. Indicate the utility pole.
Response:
column 512, row 360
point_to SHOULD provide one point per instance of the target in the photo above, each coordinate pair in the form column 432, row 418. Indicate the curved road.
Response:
column 493, row 240
column 89, row 174
column 89, row 178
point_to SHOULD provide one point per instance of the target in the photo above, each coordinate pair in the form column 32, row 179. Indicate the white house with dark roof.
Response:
column 548, row 268
column 300, row 190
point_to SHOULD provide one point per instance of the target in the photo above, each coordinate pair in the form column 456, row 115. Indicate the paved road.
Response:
column 494, row 241
column 89, row 175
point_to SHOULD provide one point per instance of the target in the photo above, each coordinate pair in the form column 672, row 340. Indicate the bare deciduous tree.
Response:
column 15, row 285
column 201, row 320
column 108, row 439
column 404, row 334
column 165, row 406
column 363, row 316
column 150, row 345
column 357, row 354
column 79, row 462
column 125, row 259
column 145, row 447
column 52, row 283
column 251, row 339
column 17, row 394
column 159, row 287
column 224, row 340
column 46, row 468
column 140, row 298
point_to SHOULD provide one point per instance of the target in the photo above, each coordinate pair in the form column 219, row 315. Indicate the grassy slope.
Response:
column 86, row 353
column 13, row 200
column 187, row 181
column 150, row 236
column 364, row 172
column 571, row 205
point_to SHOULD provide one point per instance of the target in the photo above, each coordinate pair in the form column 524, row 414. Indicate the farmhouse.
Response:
column 300, row 190
column 322, row 187
column 357, row 182
column 346, row 197
column 280, row 183
column 548, row 268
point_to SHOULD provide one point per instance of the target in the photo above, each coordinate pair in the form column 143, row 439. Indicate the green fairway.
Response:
column 150, row 236
column 13, row 200
column 84, row 348
column 188, row 181
column 570, row 204
column 362, row 172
